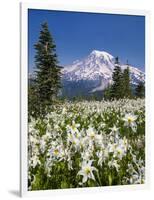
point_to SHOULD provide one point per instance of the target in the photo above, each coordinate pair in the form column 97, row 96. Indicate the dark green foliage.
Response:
column 33, row 100
column 121, row 87
column 116, row 89
column 47, row 80
column 107, row 93
column 140, row 90
column 126, row 88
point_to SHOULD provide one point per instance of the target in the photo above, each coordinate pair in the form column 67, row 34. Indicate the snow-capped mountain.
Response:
column 95, row 72
column 97, row 64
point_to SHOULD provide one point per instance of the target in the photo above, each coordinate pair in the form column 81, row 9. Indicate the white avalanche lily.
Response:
column 34, row 161
column 129, row 120
column 120, row 152
column 73, row 128
column 87, row 171
column 101, row 158
column 91, row 133
column 113, row 163
column 114, row 129
column 57, row 152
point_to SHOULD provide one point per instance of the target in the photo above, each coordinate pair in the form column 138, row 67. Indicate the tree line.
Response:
column 121, row 86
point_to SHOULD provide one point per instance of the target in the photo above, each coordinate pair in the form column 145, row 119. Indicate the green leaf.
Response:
column 110, row 179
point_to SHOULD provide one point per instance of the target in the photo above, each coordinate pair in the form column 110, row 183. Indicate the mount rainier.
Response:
column 93, row 74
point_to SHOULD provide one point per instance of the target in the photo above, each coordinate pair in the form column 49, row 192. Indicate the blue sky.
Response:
column 77, row 34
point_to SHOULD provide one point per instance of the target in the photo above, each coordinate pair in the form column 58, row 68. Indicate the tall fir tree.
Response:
column 121, row 87
column 48, row 72
column 116, row 89
column 126, row 83
column 107, row 92
column 140, row 90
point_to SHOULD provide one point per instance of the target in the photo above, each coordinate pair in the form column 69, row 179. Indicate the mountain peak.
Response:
column 102, row 55
column 96, row 52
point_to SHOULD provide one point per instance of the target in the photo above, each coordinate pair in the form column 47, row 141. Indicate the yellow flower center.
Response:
column 56, row 152
column 119, row 151
column 74, row 142
column 87, row 170
column 130, row 120
column 92, row 135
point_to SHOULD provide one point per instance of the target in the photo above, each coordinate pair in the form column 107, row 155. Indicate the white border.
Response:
column 23, row 92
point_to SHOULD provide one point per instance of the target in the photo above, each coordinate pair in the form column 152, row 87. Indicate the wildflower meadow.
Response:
column 87, row 144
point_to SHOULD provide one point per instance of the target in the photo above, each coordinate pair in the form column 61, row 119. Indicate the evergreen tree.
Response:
column 48, row 72
column 107, row 93
column 32, row 98
column 126, row 83
column 140, row 90
column 116, row 89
